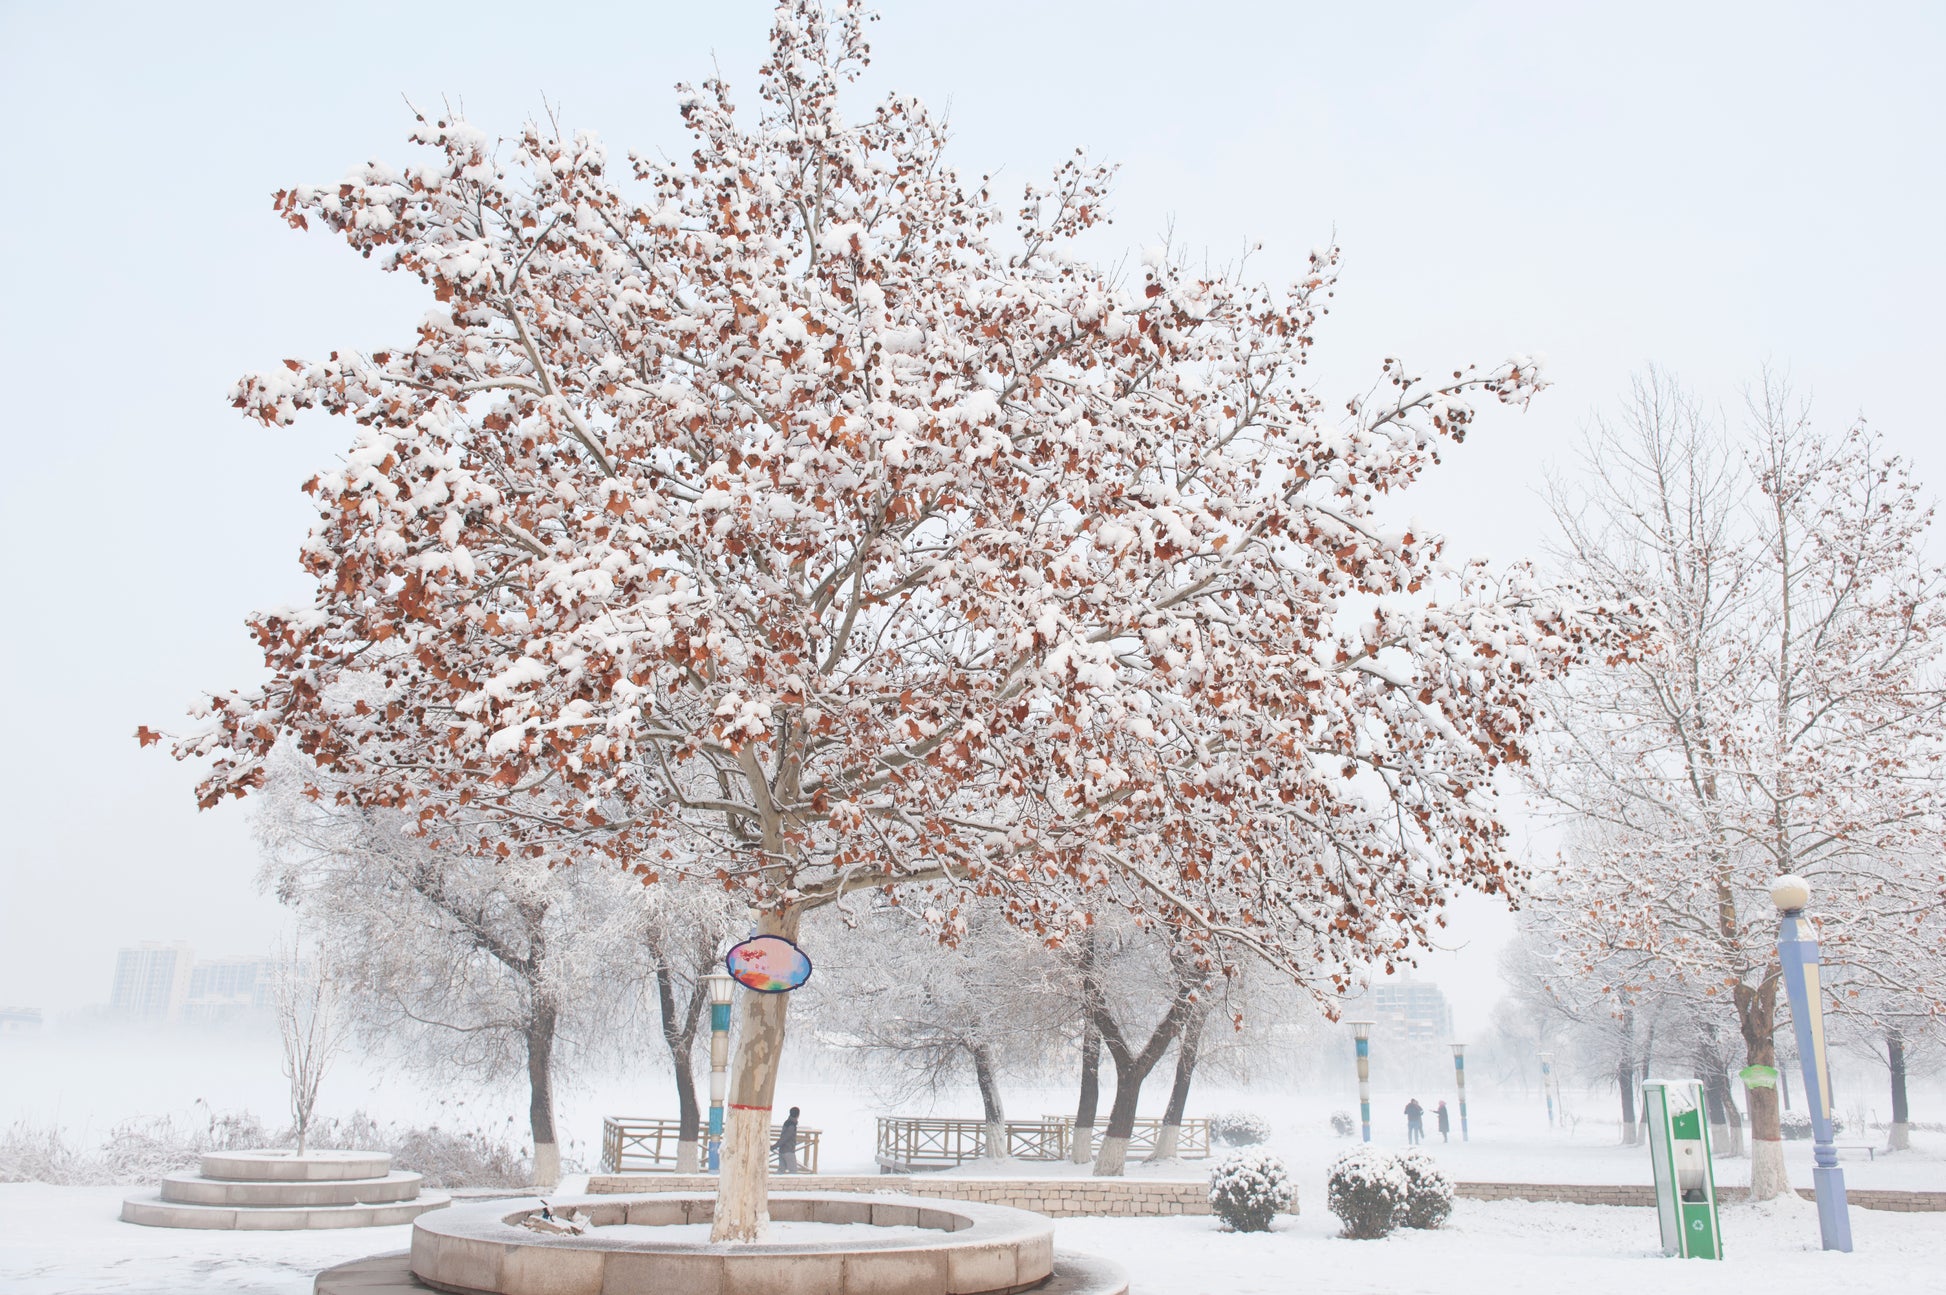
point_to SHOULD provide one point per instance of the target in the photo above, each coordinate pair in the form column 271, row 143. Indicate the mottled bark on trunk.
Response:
column 1899, row 1136
column 743, row 1191
column 540, row 1095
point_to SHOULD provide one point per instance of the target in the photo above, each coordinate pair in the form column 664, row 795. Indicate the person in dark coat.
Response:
column 1415, row 1122
column 786, row 1145
column 1445, row 1122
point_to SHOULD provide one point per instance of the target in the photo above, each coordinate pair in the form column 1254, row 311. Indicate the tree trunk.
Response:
column 1168, row 1142
column 1757, row 1019
column 1131, row 1068
column 540, row 1090
column 1083, row 1149
column 1735, row 1117
column 743, row 1190
column 1899, row 1136
column 1625, row 1081
column 995, row 1135
column 679, row 1034
column 1112, row 1160
column 688, row 1122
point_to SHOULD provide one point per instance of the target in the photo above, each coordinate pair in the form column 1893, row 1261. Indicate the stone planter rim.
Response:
column 482, row 1247
column 491, row 1221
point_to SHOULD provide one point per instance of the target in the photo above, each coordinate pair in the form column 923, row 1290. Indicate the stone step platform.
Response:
column 281, row 1191
column 391, row 1274
column 201, row 1189
column 152, row 1211
column 278, row 1166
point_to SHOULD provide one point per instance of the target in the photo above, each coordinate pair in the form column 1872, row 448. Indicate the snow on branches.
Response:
column 797, row 518
column 1787, row 719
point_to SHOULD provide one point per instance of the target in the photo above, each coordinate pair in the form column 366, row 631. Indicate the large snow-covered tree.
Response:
column 795, row 517
column 1788, row 720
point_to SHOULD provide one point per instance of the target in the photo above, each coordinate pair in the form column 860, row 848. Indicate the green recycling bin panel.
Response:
column 1685, row 1182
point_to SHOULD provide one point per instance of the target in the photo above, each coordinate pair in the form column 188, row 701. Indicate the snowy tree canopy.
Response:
column 798, row 517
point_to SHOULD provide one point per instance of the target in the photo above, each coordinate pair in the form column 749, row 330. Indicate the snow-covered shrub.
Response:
column 1249, row 1190
column 1367, row 1190
column 446, row 1157
column 1239, row 1129
column 135, row 1151
column 1796, row 1126
column 41, row 1153
column 1428, row 1191
column 142, row 1151
column 1341, row 1123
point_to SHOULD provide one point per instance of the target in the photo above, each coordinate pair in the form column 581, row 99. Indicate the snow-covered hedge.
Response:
column 1429, row 1192
column 1367, row 1190
column 1239, row 1129
column 1796, row 1126
column 1250, row 1190
column 1342, row 1123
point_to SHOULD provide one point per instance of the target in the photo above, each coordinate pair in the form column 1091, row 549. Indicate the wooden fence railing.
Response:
column 633, row 1145
column 906, row 1144
column 1192, row 1143
column 909, row 1143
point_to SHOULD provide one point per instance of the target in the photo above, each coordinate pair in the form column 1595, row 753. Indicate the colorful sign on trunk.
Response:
column 769, row 964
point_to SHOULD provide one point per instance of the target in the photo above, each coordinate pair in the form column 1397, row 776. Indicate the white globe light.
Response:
column 1790, row 892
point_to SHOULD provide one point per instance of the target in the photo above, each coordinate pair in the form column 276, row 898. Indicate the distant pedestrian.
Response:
column 1445, row 1122
column 786, row 1145
column 1415, row 1122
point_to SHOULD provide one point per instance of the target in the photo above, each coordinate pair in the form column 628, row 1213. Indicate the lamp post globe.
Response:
column 1791, row 893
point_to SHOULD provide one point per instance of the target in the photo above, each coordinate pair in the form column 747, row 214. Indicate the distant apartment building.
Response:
column 226, row 989
column 152, row 982
column 164, row 984
column 1411, row 1010
column 20, row 1020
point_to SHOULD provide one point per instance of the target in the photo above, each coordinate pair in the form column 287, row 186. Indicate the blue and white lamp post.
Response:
column 1362, row 1031
column 1797, row 950
column 1547, row 1084
column 1459, row 1078
column 721, row 990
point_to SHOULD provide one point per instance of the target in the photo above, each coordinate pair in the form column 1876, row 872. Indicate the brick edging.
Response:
column 1867, row 1198
column 1142, row 1197
column 1054, row 1197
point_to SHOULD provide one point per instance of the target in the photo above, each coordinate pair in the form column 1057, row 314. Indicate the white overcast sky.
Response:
column 1705, row 186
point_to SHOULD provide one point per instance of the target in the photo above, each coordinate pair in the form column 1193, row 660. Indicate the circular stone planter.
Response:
column 891, row 1245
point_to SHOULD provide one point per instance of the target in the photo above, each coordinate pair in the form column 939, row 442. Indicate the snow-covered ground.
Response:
column 1515, row 1248
column 68, row 1240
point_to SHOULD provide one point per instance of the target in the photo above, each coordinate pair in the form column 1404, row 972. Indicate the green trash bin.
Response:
column 1685, row 1182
